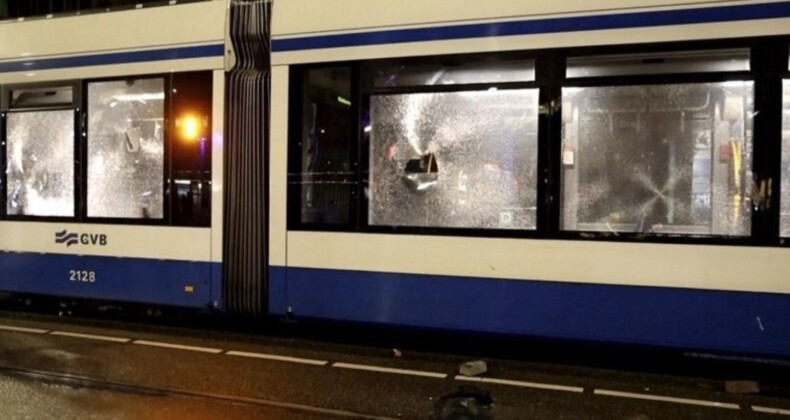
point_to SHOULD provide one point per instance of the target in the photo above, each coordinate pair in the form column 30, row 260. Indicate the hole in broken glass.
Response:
column 421, row 174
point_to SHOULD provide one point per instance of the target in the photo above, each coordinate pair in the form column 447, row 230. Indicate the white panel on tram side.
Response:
column 704, row 31
column 194, row 23
column 278, row 166
column 152, row 242
column 217, row 160
column 115, row 70
column 747, row 269
column 292, row 17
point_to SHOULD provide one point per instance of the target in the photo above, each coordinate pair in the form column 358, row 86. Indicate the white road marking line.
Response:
column 91, row 336
column 522, row 384
column 770, row 410
column 390, row 370
column 666, row 399
column 23, row 329
column 278, row 358
column 177, row 346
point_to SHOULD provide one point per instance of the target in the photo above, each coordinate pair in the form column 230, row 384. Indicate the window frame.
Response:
column 757, row 235
column 550, row 79
column 165, row 220
column 654, row 80
column 80, row 107
column 362, row 88
column 5, row 108
column 294, row 163
column 428, row 230
column 368, row 89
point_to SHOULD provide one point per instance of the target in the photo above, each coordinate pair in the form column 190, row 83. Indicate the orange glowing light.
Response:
column 190, row 127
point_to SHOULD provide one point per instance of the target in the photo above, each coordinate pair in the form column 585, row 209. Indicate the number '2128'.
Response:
column 82, row 276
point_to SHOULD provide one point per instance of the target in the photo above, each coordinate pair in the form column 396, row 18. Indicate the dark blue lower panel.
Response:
column 755, row 323
column 120, row 279
column 216, row 287
column 278, row 291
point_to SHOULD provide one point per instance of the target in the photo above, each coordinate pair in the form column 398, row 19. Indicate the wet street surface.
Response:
column 37, row 397
column 62, row 368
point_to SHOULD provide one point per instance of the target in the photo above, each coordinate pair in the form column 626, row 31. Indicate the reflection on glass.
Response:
column 462, row 160
column 40, row 163
column 324, row 176
column 672, row 159
column 660, row 63
column 398, row 74
column 126, row 149
column 784, row 221
column 190, row 149
column 36, row 97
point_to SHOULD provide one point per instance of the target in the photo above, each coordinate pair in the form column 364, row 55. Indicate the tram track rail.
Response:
column 81, row 381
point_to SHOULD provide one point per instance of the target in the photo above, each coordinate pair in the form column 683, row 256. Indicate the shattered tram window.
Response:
column 40, row 168
column 126, row 149
column 673, row 159
column 456, row 160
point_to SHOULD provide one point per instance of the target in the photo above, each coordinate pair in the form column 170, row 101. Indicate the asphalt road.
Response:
column 63, row 368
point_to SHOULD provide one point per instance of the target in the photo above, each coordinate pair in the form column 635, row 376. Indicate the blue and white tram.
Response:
column 579, row 170
column 112, row 135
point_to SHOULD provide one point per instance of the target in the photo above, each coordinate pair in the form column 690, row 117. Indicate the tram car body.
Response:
column 576, row 170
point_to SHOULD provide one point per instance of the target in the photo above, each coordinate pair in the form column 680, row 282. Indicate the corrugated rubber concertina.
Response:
column 247, row 121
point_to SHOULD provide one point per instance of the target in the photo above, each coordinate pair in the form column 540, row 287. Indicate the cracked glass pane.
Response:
column 672, row 159
column 785, row 196
column 40, row 163
column 126, row 149
column 460, row 159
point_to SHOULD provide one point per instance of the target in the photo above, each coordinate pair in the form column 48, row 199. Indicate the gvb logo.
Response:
column 66, row 237
column 74, row 238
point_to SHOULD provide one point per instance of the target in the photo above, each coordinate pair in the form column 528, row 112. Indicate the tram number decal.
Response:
column 82, row 276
